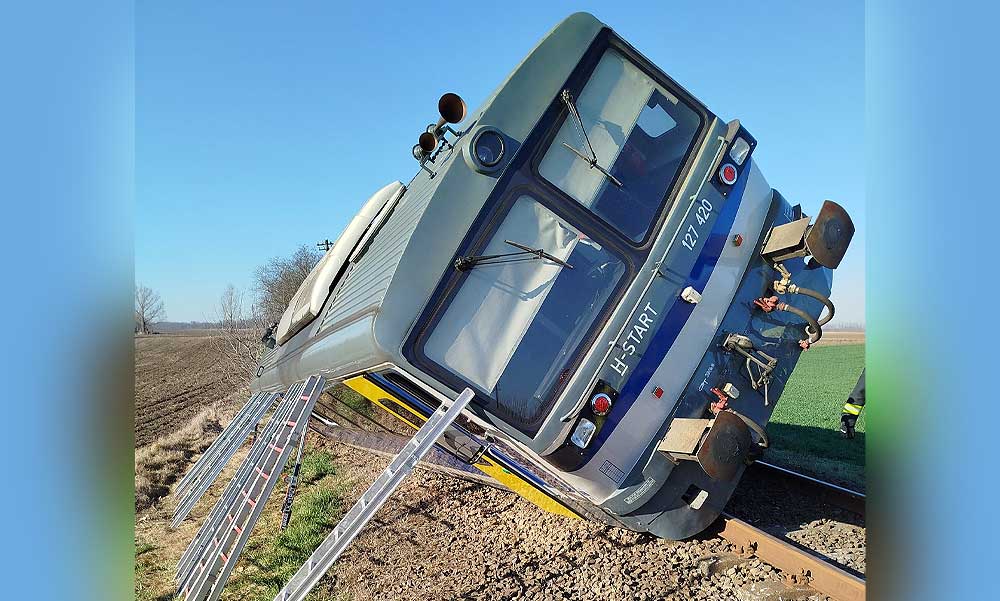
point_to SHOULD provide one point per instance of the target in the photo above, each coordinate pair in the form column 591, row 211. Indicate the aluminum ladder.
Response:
column 197, row 545
column 217, row 549
column 364, row 509
column 208, row 467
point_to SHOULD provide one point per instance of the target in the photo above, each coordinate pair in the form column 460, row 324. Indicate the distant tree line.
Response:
column 180, row 326
column 243, row 316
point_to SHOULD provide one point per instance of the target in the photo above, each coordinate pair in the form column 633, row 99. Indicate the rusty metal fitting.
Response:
column 766, row 303
column 720, row 404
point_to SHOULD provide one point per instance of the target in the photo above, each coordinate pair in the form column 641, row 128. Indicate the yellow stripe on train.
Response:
column 383, row 399
column 488, row 466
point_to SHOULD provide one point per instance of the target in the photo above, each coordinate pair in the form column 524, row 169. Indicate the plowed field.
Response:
column 175, row 377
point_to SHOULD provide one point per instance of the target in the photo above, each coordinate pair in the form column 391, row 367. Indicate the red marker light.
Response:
column 728, row 174
column 601, row 404
column 658, row 392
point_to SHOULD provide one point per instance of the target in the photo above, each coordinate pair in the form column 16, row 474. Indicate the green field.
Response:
column 804, row 429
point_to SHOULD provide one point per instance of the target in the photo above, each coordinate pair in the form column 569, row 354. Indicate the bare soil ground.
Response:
column 176, row 376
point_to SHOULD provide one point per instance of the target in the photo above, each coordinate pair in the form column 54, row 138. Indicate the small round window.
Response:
column 488, row 148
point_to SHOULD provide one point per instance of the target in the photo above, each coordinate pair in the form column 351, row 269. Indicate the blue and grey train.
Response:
column 597, row 255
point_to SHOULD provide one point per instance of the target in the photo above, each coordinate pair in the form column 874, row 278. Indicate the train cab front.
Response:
column 633, row 296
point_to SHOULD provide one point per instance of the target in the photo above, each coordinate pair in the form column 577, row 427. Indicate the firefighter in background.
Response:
column 852, row 408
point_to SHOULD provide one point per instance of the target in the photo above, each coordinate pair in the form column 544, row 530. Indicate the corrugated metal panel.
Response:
column 268, row 358
column 364, row 286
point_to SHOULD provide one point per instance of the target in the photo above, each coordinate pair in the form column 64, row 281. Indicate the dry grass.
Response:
column 160, row 464
column 271, row 556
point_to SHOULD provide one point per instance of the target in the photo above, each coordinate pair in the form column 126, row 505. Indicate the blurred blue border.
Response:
column 66, row 157
column 931, row 96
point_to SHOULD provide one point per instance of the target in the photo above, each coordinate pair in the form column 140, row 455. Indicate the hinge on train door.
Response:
column 737, row 343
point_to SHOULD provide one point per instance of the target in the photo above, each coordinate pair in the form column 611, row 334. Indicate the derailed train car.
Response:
column 598, row 257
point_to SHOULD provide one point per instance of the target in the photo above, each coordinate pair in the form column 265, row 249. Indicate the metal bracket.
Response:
column 423, row 165
column 737, row 343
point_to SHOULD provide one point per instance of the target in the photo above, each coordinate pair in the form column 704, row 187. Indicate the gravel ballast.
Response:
column 443, row 538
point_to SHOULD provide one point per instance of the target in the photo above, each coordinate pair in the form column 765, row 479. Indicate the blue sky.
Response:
column 263, row 126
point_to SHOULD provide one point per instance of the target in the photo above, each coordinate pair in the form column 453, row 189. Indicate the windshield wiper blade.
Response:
column 567, row 99
column 540, row 253
column 595, row 165
column 525, row 254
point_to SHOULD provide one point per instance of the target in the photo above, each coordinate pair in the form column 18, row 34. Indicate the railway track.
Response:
column 834, row 494
column 800, row 565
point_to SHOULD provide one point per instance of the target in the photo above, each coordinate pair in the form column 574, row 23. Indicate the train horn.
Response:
column 427, row 142
column 452, row 109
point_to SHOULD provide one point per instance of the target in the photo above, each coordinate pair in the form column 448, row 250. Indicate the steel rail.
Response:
column 837, row 495
column 800, row 564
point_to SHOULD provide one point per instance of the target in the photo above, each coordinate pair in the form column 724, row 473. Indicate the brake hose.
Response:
column 826, row 301
column 813, row 330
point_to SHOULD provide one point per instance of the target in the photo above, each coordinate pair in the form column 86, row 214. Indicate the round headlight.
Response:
column 488, row 148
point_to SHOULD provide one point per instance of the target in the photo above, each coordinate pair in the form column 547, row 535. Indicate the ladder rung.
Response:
column 200, row 573
column 368, row 503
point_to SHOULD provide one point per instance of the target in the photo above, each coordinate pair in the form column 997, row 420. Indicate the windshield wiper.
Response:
column 567, row 99
column 525, row 254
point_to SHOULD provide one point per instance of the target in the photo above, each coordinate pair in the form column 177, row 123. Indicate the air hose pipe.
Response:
column 813, row 330
column 823, row 299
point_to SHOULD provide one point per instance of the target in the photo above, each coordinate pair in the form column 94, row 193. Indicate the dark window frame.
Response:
column 575, row 86
column 521, row 177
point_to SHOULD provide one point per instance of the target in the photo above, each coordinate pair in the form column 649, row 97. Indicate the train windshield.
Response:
column 512, row 328
column 638, row 130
